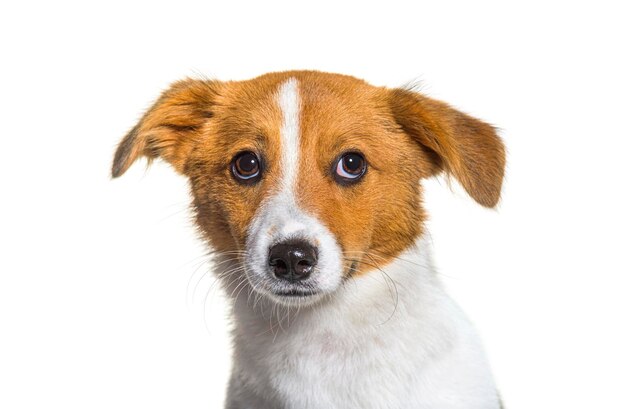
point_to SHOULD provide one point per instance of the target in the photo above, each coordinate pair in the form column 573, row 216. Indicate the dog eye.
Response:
column 245, row 167
column 350, row 168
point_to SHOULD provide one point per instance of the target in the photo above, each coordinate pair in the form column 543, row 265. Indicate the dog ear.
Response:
column 465, row 147
column 170, row 127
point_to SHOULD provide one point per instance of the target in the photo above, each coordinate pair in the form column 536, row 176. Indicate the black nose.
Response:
column 292, row 260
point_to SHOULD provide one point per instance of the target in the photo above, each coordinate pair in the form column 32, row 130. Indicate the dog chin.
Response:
column 292, row 296
column 296, row 298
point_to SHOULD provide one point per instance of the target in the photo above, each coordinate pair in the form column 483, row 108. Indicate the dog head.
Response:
column 308, row 178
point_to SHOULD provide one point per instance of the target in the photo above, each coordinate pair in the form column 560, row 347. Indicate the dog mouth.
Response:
column 290, row 293
column 296, row 293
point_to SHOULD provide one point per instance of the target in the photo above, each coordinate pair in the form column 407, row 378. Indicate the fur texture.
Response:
column 377, row 330
column 387, row 341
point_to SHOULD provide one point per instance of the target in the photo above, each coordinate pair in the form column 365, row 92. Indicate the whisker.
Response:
column 204, row 309
column 387, row 279
column 200, row 264
column 213, row 267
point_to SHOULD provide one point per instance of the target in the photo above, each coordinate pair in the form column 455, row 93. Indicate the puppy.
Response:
column 307, row 187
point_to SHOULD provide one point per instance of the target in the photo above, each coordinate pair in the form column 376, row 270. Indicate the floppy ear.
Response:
column 463, row 146
column 170, row 127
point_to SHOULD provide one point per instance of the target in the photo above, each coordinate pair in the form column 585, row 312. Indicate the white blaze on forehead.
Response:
column 289, row 102
column 280, row 219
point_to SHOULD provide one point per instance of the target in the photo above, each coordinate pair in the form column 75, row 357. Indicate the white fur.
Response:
column 388, row 339
column 395, row 341
column 289, row 103
column 280, row 218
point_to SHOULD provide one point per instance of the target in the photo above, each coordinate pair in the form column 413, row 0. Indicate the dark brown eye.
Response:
column 246, row 167
column 350, row 167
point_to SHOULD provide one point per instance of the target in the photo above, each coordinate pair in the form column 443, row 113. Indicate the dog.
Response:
column 306, row 186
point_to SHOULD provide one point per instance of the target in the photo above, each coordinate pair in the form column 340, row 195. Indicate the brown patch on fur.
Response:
column 199, row 126
column 246, row 118
column 169, row 128
column 464, row 146
column 380, row 216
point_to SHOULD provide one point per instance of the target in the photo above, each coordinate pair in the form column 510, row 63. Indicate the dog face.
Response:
column 308, row 178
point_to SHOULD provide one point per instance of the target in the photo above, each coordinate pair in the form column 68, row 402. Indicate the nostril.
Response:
column 280, row 267
column 304, row 263
column 303, row 267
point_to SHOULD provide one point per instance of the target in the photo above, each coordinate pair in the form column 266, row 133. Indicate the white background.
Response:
column 97, row 300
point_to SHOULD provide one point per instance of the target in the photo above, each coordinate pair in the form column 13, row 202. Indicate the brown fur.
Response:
column 199, row 126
